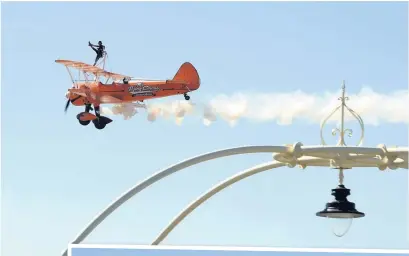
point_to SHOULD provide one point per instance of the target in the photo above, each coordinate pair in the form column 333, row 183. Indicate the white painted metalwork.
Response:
column 339, row 157
column 342, row 131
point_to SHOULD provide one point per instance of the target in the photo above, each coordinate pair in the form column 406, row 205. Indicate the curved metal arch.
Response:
column 214, row 190
column 166, row 172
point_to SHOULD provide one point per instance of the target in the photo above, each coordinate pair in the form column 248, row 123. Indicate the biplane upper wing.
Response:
column 91, row 69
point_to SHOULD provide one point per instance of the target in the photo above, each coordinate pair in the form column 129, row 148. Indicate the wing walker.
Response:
column 89, row 91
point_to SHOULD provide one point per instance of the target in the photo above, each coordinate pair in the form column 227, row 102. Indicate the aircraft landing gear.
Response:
column 97, row 112
column 84, row 123
column 101, row 121
column 187, row 97
column 98, row 124
column 84, row 118
column 88, row 108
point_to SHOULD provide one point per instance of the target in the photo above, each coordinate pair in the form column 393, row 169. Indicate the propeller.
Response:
column 67, row 105
column 70, row 101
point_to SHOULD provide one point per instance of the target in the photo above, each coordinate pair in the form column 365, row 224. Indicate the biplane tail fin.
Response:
column 187, row 73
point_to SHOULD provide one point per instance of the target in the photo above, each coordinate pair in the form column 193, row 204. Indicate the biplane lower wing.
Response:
column 110, row 99
column 87, row 68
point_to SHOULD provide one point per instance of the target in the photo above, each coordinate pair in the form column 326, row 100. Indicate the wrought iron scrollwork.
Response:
column 342, row 131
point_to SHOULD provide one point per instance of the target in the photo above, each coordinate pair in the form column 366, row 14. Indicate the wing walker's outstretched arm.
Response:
column 99, row 51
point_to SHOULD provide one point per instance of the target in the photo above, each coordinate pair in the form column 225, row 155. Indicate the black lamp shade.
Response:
column 340, row 208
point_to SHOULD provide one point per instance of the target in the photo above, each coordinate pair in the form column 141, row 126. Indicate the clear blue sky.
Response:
column 170, row 252
column 57, row 175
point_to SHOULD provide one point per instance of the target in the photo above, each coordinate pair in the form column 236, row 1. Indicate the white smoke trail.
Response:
column 283, row 108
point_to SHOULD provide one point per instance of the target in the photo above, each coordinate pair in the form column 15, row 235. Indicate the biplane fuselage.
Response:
column 91, row 91
column 97, row 93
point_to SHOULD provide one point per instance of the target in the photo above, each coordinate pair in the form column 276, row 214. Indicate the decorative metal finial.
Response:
column 342, row 131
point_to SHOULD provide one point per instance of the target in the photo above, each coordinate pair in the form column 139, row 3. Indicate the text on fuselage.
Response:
column 140, row 88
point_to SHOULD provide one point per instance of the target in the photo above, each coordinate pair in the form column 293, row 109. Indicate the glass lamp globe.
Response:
column 340, row 211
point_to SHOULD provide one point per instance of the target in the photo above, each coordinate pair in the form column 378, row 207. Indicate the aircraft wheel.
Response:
column 98, row 124
column 84, row 122
column 187, row 97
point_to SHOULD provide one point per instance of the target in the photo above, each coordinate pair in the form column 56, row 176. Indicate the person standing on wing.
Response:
column 99, row 50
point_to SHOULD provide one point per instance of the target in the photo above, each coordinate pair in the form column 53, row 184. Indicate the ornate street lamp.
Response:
column 340, row 208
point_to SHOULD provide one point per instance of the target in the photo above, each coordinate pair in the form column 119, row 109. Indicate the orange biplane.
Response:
column 117, row 88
